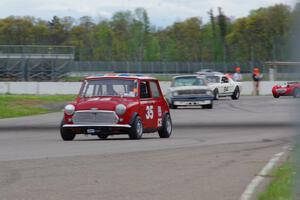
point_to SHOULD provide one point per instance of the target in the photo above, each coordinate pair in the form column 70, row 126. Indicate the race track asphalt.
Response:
column 212, row 154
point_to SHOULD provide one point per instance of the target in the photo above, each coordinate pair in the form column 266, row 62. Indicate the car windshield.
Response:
column 213, row 79
column 188, row 81
column 109, row 87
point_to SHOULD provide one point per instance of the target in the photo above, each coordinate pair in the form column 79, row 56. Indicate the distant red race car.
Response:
column 290, row 89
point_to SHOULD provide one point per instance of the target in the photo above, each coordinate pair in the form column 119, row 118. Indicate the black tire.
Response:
column 208, row 106
column 136, row 131
column 66, row 134
column 276, row 96
column 296, row 93
column 236, row 94
column 166, row 130
column 216, row 94
column 172, row 106
column 102, row 136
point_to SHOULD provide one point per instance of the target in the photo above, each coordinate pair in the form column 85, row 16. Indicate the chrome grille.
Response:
column 191, row 92
column 95, row 117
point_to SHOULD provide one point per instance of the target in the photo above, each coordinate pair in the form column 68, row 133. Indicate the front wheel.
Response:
column 276, row 96
column 66, row 134
column 172, row 106
column 136, row 131
column 166, row 130
column 102, row 136
column 296, row 93
column 208, row 106
column 236, row 94
column 216, row 94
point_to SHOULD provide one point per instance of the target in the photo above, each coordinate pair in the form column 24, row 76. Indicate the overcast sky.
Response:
column 161, row 12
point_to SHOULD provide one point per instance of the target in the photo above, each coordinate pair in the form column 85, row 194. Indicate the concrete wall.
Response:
column 247, row 87
column 39, row 87
column 73, row 87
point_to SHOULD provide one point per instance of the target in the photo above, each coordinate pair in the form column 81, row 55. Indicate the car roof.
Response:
column 182, row 76
column 293, row 82
column 210, row 73
column 122, row 76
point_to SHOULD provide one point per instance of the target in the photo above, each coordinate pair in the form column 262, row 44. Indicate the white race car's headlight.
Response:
column 174, row 93
column 120, row 109
column 69, row 109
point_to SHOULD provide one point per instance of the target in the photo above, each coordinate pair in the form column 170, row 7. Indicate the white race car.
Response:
column 189, row 90
column 222, row 85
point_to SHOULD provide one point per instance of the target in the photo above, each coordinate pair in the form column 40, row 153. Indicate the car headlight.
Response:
column 69, row 109
column 120, row 109
column 174, row 93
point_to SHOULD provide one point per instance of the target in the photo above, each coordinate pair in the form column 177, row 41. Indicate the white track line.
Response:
column 247, row 194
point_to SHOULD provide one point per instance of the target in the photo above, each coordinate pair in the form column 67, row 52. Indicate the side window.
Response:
column 224, row 79
column 144, row 90
column 154, row 89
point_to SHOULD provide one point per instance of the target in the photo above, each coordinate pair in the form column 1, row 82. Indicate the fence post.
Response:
column 25, row 69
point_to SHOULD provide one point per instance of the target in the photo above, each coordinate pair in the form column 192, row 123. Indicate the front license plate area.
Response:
column 280, row 91
column 191, row 103
column 91, row 131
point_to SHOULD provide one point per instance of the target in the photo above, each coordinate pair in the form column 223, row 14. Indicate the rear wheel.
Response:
column 236, row 94
column 276, row 96
column 136, row 131
column 66, row 134
column 296, row 93
column 166, row 130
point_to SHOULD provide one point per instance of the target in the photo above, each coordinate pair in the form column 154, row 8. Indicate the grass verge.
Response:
column 282, row 185
column 24, row 105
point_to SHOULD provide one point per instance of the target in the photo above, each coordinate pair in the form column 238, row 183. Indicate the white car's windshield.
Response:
column 109, row 87
column 188, row 81
column 213, row 79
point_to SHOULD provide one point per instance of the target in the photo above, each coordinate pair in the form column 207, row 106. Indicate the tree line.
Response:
column 265, row 34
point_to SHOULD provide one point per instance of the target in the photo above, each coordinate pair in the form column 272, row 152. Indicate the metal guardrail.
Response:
column 36, row 56
column 36, row 49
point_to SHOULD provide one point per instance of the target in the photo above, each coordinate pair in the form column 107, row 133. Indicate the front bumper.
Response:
column 281, row 91
column 191, row 100
column 98, row 129
column 99, row 126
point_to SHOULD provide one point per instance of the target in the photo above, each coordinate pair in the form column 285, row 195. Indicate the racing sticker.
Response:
column 226, row 89
column 159, row 111
column 149, row 112
column 159, row 122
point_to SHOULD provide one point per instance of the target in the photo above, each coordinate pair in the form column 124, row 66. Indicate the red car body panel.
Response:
column 151, row 110
column 287, row 90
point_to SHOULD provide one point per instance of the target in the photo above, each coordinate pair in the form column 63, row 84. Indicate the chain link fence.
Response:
column 159, row 67
column 52, row 63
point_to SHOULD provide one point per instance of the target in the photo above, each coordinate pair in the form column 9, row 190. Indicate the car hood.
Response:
column 183, row 88
column 104, row 103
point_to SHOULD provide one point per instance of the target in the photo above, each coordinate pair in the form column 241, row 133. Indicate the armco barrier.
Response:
column 51, row 88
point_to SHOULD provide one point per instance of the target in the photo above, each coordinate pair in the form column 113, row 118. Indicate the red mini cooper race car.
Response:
column 290, row 89
column 109, row 105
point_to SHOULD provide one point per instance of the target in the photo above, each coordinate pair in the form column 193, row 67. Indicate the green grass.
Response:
column 282, row 184
column 24, row 105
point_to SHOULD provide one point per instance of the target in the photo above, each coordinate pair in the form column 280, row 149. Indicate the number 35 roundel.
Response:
column 149, row 112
